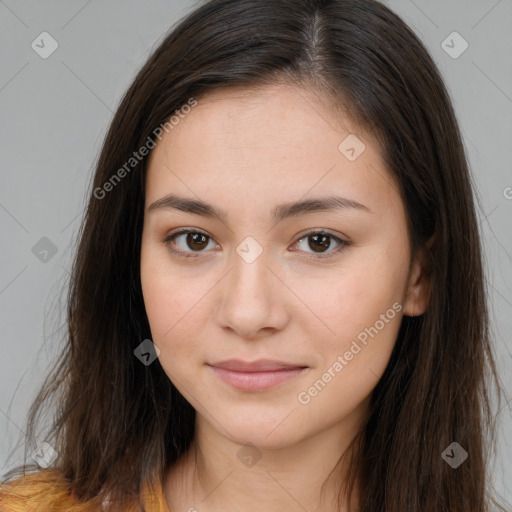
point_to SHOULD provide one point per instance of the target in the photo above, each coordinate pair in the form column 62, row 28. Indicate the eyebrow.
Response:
column 279, row 213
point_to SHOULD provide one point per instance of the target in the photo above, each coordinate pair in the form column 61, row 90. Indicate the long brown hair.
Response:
column 119, row 424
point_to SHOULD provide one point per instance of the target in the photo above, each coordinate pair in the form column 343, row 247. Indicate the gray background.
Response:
column 55, row 112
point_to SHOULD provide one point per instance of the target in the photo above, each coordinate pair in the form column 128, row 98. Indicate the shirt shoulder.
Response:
column 41, row 491
column 49, row 490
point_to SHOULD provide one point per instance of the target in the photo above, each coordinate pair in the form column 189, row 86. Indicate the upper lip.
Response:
column 261, row 365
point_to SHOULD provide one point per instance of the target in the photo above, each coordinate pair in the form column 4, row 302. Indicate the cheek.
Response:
column 173, row 308
column 363, row 310
column 169, row 296
column 365, row 316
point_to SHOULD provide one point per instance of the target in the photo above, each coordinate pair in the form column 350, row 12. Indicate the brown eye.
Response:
column 321, row 242
column 187, row 242
column 196, row 241
column 190, row 244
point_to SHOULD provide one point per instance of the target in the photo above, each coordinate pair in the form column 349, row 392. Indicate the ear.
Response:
column 418, row 287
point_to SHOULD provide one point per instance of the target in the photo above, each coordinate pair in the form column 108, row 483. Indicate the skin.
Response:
column 246, row 152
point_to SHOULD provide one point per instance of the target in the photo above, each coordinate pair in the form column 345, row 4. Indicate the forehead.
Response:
column 257, row 117
column 267, row 144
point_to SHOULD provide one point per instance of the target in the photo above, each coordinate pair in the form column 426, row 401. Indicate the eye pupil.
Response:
column 321, row 240
column 194, row 240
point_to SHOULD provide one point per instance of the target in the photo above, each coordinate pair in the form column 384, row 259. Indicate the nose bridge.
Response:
column 249, row 278
column 251, row 300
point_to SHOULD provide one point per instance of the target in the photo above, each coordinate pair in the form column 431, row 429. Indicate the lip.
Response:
column 256, row 375
column 261, row 365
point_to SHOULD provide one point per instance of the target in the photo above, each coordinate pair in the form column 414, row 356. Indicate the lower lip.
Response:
column 256, row 381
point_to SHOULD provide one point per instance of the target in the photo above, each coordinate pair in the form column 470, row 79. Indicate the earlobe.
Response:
column 418, row 288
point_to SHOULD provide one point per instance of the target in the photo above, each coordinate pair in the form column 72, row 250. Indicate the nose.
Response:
column 253, row 299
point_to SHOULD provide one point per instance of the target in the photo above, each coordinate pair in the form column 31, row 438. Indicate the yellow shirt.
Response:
column 49, row 491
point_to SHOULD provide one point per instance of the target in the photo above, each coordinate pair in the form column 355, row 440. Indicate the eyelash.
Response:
column 183, row 254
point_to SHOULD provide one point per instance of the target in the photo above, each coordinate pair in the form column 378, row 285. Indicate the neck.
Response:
column 217, row 474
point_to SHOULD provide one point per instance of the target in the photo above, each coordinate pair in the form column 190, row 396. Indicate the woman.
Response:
column 277, row 301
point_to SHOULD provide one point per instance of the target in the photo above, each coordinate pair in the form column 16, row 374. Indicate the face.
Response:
column 318, row 289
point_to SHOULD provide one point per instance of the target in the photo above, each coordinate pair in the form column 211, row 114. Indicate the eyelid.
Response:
column 323, row 231
column 181, row 231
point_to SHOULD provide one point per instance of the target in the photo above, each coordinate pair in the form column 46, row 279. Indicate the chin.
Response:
column 263, row 432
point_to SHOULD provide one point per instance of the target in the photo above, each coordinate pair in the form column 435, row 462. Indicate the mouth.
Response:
column 257, row 375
